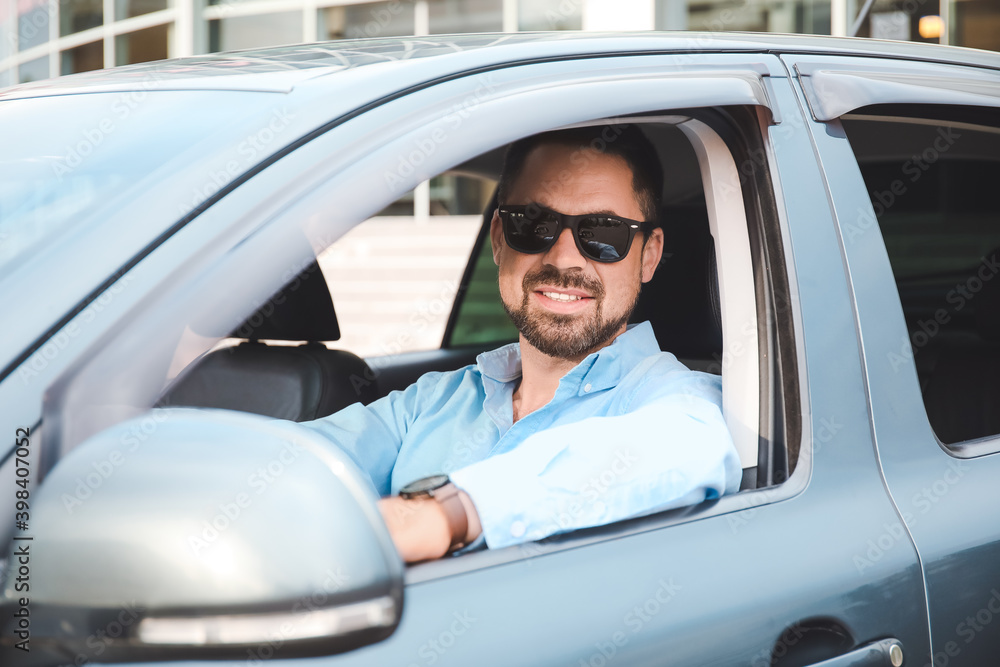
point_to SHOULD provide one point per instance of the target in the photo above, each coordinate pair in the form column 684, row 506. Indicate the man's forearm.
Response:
column 420, row 528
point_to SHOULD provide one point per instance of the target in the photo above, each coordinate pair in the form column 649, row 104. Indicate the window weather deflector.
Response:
column 834, row 89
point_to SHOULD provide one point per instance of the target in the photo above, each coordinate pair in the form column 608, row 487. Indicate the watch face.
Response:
column 424, row 485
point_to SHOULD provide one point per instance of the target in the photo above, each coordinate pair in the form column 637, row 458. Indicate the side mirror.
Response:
column 191, row 534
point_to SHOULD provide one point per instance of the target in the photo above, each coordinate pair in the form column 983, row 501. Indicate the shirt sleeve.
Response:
column 373, row 434
column 672, row 450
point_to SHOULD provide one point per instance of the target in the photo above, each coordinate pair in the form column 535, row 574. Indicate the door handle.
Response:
column 883, row 653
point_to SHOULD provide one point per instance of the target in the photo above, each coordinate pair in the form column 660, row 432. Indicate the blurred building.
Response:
column 46, row 38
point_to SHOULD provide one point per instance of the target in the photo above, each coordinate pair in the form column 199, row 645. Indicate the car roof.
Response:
column 279, row 69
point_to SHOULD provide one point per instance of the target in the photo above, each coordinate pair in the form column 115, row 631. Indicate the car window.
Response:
column 479, row 317
column 932, row 184
column 55, row 177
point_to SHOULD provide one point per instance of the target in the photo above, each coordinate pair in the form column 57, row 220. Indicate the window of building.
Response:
column 977, row 24
column 128, row 8
column 33, row 70
column 142, row 45
column 799, row 16
column 448, row 16
column 82, row 59
column 902, row 20
column 78, row 15
column 374, row 19
column 32, row 24
column 249, row 32
column 932, row 188
column 549, row 15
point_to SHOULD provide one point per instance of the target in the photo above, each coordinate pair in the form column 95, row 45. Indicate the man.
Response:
column 584, row 421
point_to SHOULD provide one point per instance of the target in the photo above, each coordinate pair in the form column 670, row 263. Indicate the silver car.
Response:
column 169, row 238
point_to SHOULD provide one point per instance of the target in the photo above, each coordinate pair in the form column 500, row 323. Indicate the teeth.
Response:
column 559, row 296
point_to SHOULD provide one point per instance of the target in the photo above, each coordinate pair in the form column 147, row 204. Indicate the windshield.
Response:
column 64, row 157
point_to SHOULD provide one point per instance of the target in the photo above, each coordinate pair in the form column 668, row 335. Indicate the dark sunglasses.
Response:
column 533, row 229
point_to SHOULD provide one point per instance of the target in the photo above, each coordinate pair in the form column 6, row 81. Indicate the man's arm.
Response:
column 420, row 529
column 673, row 451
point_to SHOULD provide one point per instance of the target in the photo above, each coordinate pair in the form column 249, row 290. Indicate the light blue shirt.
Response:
column 630, row 431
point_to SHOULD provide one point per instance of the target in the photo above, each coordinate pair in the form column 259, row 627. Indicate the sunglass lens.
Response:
column 604, row 238
column 530, row 233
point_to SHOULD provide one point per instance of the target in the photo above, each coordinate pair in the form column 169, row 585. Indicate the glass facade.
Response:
column 549, row 15
column 32, row 24
column 43, row 38
column 804, row 17
column 79, row 15
column 248, row 32
column 33, row 70
column 82, row 59
column 902, row 20
column 374, row 19
column 129, row 8
column 142, row 45
column 447, row 16
column 977, row 24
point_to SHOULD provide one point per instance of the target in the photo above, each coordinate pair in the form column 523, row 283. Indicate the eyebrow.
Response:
column 601, row 212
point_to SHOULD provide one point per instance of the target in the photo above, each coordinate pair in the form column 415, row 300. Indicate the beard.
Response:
column 566, row 336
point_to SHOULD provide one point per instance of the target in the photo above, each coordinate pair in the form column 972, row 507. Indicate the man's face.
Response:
column 563, row 303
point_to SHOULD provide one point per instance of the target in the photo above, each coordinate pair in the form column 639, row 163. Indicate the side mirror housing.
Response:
column 189, row 534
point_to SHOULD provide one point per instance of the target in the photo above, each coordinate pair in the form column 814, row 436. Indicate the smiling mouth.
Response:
column 560, row 296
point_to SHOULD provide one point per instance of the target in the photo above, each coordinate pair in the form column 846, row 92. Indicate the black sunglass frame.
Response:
column 564, row 221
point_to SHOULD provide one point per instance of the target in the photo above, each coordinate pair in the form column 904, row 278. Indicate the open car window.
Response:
column 265, row 271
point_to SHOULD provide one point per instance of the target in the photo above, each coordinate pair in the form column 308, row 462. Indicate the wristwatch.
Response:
column 440, row 488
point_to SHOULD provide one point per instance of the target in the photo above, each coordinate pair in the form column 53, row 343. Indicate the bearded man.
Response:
column 583, row 421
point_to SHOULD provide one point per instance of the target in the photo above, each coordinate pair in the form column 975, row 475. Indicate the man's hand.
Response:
column 419, row 527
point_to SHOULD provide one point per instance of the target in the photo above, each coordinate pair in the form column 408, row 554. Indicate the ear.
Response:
column 496, row 237
column 651, row 254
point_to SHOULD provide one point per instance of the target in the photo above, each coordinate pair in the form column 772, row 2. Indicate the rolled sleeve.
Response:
column 671, row 452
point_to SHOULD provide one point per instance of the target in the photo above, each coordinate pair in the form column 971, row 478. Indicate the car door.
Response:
column 774, row 570
column 767, row 576
column 908, row 149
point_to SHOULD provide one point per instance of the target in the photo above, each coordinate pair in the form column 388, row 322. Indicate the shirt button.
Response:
column 587, row 387
column 517, row 529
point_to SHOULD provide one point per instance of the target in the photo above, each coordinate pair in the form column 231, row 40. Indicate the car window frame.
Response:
column 317, row 193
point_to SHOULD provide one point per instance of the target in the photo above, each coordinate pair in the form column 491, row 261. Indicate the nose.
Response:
column 564, row 254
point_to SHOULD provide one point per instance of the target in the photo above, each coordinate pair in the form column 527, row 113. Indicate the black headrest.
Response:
column 682, row 299
column 987, row 302
column 302, row 310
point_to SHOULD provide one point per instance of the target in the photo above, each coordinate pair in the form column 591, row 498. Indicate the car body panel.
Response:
column 945, row 495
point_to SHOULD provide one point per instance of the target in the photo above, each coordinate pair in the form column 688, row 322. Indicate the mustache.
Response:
column 549, row 275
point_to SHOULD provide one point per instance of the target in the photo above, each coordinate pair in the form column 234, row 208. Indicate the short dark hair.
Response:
column 625, row 141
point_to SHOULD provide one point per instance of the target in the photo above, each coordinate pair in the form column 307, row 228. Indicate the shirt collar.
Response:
column 602, row 369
